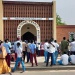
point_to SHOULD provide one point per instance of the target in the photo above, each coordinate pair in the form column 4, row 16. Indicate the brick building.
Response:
column 27, row 20
column 66, row 30
column 31, row 20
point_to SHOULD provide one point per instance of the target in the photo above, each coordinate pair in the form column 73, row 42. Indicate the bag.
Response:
column 47, row 47
column 52, row 44
column 3, row 52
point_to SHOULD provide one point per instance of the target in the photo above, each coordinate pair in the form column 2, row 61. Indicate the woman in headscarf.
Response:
column 3, row 65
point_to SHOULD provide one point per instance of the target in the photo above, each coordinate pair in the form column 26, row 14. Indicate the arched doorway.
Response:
column 28, row 36
column 29, row 22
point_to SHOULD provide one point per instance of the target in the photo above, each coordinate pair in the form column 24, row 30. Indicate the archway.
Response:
column 33, row 24
column 28, row 36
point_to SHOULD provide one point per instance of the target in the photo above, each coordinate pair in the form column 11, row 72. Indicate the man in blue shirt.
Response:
column 7, row 45
column 32, row 47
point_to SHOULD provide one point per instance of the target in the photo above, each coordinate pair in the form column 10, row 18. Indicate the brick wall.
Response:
column 63, row 31
column 31, row 10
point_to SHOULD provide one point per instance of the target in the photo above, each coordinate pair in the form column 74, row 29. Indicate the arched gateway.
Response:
column 31, row 23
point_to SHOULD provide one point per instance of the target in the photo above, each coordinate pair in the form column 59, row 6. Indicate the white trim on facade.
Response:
column 25, row 18
column 32, row 23
column 29, row 0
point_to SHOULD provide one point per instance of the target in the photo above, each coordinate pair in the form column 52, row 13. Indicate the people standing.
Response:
column 28, row 51
column 56, row 50
column 42, row 49
column 4, row 68
column 19, row 57
column 51, row 52
column 33, row 53
column 7, row 45
column 15, row 47
column 64, row 45
column 46, row 48
column 38, row 49
column 24, row 50
column 72, row 46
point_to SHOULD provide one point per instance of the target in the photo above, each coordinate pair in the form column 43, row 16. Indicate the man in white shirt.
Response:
column 15, row 47
column 15, row 44
column 28, row 51
column 64, row 59
column 72, row 46
column 24, row 45
column 19, row 57
column 46, row 48
column 56, row 50
column 51, row 52
column 38, row 49
column 72, row 58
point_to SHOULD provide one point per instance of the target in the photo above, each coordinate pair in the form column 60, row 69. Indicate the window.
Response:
column 71, row 35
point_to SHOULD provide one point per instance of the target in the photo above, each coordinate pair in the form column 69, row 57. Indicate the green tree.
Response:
column 59, row 20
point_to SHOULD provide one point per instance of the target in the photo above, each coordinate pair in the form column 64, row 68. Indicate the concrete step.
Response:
column 42, row 66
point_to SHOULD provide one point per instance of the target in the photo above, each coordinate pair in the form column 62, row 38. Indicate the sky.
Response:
column 64, row 8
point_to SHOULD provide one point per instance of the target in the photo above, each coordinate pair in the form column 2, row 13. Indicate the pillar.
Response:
column 54, row 19
column 1, row 20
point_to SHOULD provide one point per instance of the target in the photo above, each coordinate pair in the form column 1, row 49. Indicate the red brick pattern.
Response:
column 64, row 31
column 27, row 9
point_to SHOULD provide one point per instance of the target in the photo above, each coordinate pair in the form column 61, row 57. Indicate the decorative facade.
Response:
column 27, row 20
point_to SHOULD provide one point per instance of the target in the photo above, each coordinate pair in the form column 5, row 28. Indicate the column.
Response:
column 54, row 19
column 1, row 21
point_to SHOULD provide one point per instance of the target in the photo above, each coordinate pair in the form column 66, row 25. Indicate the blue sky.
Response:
column 65, row 8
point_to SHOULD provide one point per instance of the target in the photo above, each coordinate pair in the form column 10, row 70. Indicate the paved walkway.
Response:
column 42, row 66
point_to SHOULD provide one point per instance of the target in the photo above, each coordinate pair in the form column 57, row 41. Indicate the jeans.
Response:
column 60, row 62
column 28, row 56
column 38, row 52
column 52, row 59
column 19, row 59
column 24, row 54
column 45, row 55
column 56, row 55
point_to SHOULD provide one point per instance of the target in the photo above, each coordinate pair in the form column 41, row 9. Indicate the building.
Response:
column 27, row 20
column 67, row 31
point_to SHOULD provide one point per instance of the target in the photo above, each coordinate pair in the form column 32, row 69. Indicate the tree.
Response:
column 59, row 20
